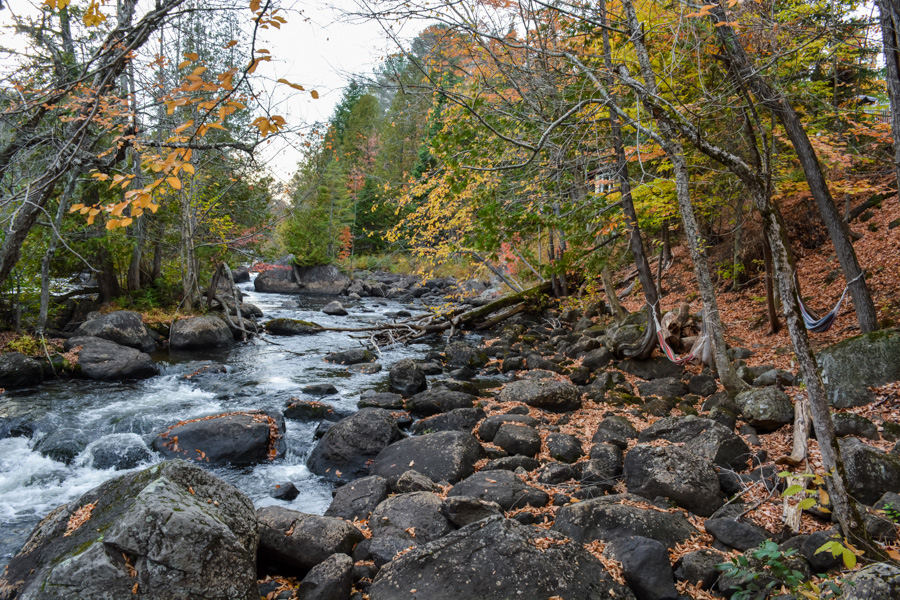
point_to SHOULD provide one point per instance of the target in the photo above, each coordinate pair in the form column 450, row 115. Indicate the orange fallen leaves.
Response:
column 79, row 518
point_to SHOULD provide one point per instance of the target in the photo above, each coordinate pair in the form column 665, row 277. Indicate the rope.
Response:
column 666, row 349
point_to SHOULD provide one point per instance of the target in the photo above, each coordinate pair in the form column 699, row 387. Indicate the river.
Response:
column 259, row 375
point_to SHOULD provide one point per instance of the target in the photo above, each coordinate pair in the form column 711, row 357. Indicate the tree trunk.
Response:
column 610, row 289
column 106, row 277
column 51, row 250
column 771, row 309
column 779, row 105
column 890, row 34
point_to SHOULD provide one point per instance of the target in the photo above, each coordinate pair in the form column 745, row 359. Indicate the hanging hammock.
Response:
column 700, row 349
column 824, row 324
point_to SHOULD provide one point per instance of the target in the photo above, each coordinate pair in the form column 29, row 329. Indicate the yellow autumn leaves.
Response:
column 92, row 16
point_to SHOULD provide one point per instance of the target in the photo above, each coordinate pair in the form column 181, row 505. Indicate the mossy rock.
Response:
column 292, row 327
column 850, row 367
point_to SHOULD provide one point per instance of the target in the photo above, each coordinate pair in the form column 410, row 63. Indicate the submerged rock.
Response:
column 170, row 532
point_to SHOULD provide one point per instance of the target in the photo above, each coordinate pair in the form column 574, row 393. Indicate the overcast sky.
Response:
column 317, row 49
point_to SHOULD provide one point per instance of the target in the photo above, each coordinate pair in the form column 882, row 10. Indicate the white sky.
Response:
column 317, row 49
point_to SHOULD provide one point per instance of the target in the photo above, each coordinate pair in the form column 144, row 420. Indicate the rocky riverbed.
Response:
column 529, row 463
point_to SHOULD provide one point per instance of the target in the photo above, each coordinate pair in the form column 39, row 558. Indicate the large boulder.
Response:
column 357, row 499
column 607, row 519
column 767, row 409
column 345, row 451
column 501, row 487
column 703, row 437
column 321, row 280
column 880, row 581
column 297, row 540
column 497, row 559
column 546, row 394
column 850, row 367
column 18, row 370
column 646, row 567
column 460, row 419
column 171, row 532
column 415, row 516
column 518, row 439
column 443, row 456
column 200, row 333
column 292, row 327
column 870, row 472
column 491, row 425
column 123, row 327
column 102, row 359
column 235, row 438
column 406, row 378
column 675, row 473
column 331, row 579
column 279, row 280
column 439, row 400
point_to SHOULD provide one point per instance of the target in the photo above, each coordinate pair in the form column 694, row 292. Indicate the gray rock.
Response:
column 414, row 516
column 675, row 473
column 489, row 427
column 200, row 333
column 18, row 370
column 553, row 473
column 766, row 409
column 413, row 481
column 385, row 400
column 285, row 491
column 406, row 378
column 735, row 534
column 105, row 360
column 501, row 487
column 460, row 419
column 292, row 327
column 443, row 456
column 301, row 541
column 518, row 439
column 511, row 463
column 357, row 499
column 116, row 451
column 350, row 357
column 880, row 581
column 699, row 567
column 551, row 395
column 439, row 400
column 564, row 447
column 856, row 425
column 335, row 309
column 460, row 354
column 850, row 367
column 614, row 430
column 237, row 438
column 597, row 359
column 870, row 472
column 163, row 521
column 702, row 384
column 703, row 437
column 606, row 519
column 122, row 327
column 646, row 568
column 490, row 558
column 652, row 368
column 331, row 579
column 321, row 280
column 320, row 389
column 276, row 281
column 312, row 410
column 773, row 377
column 464, row 510
column 664, row 387
column 345, row 450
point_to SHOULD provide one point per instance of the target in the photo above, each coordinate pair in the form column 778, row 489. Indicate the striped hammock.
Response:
column 823, row 324
column 696, row 349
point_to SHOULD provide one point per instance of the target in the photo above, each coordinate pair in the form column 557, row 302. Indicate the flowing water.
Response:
column 259, row 375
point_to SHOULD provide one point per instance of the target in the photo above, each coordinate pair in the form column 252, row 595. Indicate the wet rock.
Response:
column 439, row 400
column 856, row 425
column 320, row 389
column 850, row 367
column 200, row 333
column 766, row 409
column 285, row 491
column 460, row 354
column 443, row 456
column 870, row 472
column 335, row 309
column 414, row 516
column 241, row 275
column 460, row 419
column 332, row 579
column 673, row 472
column 518, row 439
column 606, row 519
column 880, row 581
column 61, row 445
column 345, row 450
column 276, row 281
column 311, row 410
column 178, row 543
column 292, row 327
column 407, row 378
column 646, row 568
column 18, row 370
column 491, row 557
column 364, row 368
column 384, row 400
column 551, row 395
column 105, row 360
column 501, row 487
column 116, row 451
column 237, row 438
column 122, row 327
column 297, row 540
column 350, row 357
column 564, row 447
column 358, row 499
